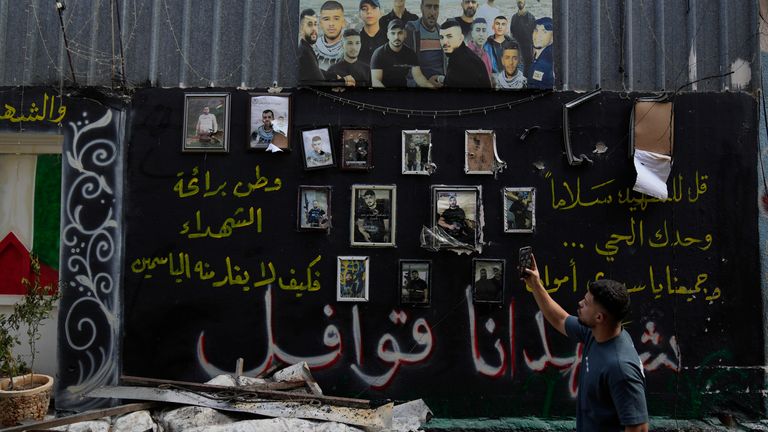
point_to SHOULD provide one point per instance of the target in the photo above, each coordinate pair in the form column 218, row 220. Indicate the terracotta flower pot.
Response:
column 27, row 403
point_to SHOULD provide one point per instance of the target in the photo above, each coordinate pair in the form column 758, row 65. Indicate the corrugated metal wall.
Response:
column 620, row 45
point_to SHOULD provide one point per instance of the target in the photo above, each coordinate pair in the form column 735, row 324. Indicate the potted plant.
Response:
column 24, row 395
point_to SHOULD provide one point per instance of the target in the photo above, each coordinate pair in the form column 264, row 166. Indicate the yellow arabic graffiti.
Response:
column 592, row 196
column 191, row 187
column 227, row 227
column 180, row 268
column 670, row 284
column 35, row 113
column 660, row 238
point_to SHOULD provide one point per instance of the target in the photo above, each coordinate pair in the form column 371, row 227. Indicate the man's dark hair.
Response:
column 450, row 22
column 501, row 17
column 509, row 45
column 480, row 20
column 305, row 13
column 268, row 111
column 612, row 296
column 331, row 5
column 350, row 32
column 369, row 192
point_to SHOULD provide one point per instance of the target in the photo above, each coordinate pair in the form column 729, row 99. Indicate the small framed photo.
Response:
column 487, row 280
column 479, row 151
column 456, row 215
column 415, row 283
column 519, row 209
column 417, row 152
column 372, row 217
column 314, row 208
column 352, row 278
column 318, row 150
column 356, row 149
column 270, row 121
column 206, row 122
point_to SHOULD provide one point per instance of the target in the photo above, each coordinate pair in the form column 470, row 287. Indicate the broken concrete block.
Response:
column 182, row 419
column 87, row 426
column 139, row 421
column 278, row 425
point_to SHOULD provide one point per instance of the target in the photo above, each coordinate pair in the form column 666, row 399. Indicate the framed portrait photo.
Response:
column 270, row 121
column 415, row 283
column 479, row 151
column 417, row 152
column 352, row 278
column 519, row 207
column 356, row 149
column 488, row 280
column 372, row 217
column 318, row 149
column 314, row 208
column 456, row 215
column 206, row 122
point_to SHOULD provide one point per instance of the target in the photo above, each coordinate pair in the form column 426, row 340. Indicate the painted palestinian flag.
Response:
column 30, row 206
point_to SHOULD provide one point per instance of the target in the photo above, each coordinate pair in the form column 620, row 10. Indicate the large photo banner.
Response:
column 502, row 44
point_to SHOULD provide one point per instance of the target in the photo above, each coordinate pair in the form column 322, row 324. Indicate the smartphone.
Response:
column 525, row 260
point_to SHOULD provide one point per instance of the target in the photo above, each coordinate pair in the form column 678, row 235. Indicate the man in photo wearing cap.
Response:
column 392, row 62
column 353, row 71
column 372, row 35
column 465, row 69
column 542, row 72
column 328, row 47
column 398, row 12
column 423, row 36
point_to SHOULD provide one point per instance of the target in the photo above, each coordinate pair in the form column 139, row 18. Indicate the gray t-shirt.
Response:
column 611, row 381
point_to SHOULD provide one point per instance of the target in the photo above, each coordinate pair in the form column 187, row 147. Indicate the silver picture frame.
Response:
column 480, row 151
column 352, row 278
column 416, row 152
column 519, row 209
column 373, row 215
column 488, row 280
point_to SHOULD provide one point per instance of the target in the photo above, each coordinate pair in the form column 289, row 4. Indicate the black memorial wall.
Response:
column 691, row 262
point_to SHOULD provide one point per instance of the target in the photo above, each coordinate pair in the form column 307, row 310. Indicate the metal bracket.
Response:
column 575, row 160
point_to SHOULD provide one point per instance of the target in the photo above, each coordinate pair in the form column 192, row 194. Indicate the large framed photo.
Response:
column 373, row 213
column 356, row 149
column 479, row 151
column 314, row 208
column 415, row 283
column 318, row 149
column 206, row 122
column 417, row 152
column 352, row 278
column 487, row 280
column 456, row 216
column 270, row 121
column 519, row 206
column 359, row 43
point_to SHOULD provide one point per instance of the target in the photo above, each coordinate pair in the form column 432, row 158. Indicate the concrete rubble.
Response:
column 308, row 411
column 201, row 419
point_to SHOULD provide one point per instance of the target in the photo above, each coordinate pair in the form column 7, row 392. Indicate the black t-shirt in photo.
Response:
column 395, row 65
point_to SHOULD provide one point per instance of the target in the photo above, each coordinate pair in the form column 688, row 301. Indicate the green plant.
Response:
column 29, row 313
column 9, row 327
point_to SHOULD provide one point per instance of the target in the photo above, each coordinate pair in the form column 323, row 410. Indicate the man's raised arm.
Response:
column 552, row 311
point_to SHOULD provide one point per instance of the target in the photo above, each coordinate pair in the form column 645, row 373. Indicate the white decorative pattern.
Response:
column 90, row 244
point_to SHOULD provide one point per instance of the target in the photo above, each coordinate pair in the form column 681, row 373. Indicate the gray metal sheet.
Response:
column 627, row 45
